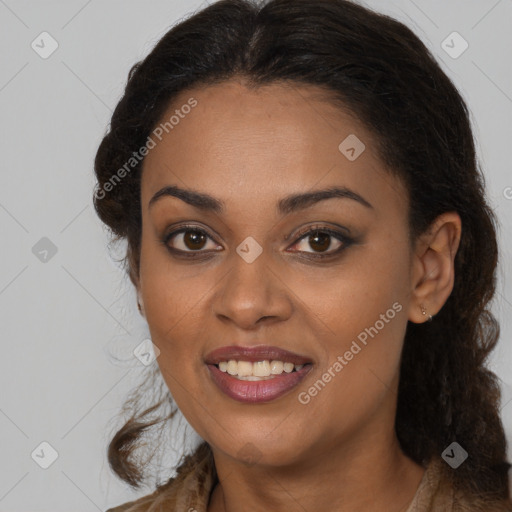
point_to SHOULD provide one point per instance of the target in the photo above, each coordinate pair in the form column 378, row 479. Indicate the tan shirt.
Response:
column 190, row 492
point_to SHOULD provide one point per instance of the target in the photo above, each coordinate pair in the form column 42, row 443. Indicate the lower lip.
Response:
column 248, row 391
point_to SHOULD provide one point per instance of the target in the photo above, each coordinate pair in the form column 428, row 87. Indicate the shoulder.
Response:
column 465, row 503
column 143, row 504
column 436, row 492
column 121, row 508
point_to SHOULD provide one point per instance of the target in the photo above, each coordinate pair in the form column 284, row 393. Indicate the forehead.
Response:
column 263, row 144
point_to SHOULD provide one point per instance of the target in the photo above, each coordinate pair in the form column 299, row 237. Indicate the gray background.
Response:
column 69, row 324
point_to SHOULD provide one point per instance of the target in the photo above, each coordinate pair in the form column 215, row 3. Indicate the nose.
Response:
column 252, row 293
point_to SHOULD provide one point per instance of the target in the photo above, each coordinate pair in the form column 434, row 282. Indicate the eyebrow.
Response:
column 287, row 205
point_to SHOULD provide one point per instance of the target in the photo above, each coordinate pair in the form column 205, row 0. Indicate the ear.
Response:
column 433, row 272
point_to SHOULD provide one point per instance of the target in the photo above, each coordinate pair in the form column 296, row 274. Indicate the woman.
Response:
column 313, row 252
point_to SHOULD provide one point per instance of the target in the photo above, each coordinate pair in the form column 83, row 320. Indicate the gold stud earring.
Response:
column 424, row 312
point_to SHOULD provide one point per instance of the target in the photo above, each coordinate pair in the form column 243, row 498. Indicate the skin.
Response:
column 250, row 149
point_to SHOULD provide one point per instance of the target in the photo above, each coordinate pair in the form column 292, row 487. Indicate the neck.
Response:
column 348, row 478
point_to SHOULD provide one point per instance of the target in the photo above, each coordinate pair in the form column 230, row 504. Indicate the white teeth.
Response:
column 232, row 367
column 276, row 367
column 252, row 377
column 288, row 367
column 260, row 370
column 245, row 368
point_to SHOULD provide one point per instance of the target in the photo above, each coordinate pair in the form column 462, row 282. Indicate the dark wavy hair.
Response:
column 376, row 68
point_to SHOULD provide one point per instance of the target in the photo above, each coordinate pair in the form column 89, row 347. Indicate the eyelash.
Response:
column 345, row 240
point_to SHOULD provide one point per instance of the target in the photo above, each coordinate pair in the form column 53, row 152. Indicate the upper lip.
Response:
column 253, row 354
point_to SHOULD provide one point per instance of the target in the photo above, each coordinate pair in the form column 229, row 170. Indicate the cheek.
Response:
column 361, row 369
column 368, row 288
column 365, row 309
column 172, row 301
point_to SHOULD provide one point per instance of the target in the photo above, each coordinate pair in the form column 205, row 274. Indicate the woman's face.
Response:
column 256, row 278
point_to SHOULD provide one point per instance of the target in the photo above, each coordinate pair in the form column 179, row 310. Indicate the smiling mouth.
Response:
column 256, row 389
column 258, row 370
column 258, row 373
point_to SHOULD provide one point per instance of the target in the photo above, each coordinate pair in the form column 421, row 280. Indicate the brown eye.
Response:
column 194, row 239
column 187, row 240
column 324, row 242
column 320, row 241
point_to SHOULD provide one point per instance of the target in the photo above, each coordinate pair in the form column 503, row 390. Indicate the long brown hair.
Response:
column 380, row 71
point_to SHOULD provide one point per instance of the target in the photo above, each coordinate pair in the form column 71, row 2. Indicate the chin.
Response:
column 256, row 449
